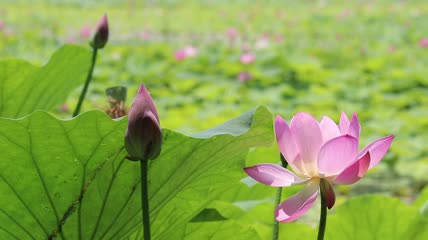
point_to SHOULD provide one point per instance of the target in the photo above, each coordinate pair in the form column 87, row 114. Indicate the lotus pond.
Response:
column 219, row 73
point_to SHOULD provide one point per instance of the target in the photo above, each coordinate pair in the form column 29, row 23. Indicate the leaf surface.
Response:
column 25, row 88
column 69, row 178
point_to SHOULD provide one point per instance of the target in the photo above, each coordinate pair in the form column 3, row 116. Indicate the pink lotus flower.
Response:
column 247, row 58
column 321, row 154
column 423, row 43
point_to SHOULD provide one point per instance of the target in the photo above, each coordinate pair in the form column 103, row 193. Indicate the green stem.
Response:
column 88, row 80
column 323, row 218
column 275, row 228
column 145, row 198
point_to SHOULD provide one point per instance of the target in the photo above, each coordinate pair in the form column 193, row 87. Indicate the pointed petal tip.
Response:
column 355, row 171
column 378, row 149
column 279, row 123
column 354, row 118
column 142, row 89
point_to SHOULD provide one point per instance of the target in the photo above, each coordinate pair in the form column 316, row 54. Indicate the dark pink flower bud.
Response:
column 101, row 33
column 143, row 138
column 327, row 193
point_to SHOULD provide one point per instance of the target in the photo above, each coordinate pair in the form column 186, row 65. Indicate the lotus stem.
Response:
column 145, row 198
column 323, row 218
column 88, row 80
column 275, row 228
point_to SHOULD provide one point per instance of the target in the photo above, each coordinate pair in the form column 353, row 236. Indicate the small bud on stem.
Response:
column 101, row 33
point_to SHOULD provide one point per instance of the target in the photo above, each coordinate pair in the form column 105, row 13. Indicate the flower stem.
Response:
column 275, row 228
column 88, row 80
column 145, row 198
column 323, row 218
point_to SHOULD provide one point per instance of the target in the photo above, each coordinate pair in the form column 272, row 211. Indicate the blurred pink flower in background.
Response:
column 392, row 49
column 70, row 40
column 1, row 25
column 279, row 38
column 244, row 76
column 145, row 35
column 262, row 43
column 320, row 154
column 423, row 43
column 344, row 14
column 190, row 51
column 85, row 32
column 64, row 108
column 187, row 52
column 247, row 58
column 180, row 54
column 232, row 34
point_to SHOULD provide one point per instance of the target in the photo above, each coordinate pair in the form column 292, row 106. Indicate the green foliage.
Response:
column 72, row 175
column 25, row 88
column 372, row 217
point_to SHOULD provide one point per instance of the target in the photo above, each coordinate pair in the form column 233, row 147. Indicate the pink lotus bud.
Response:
column 143, row 138
column 101, row 33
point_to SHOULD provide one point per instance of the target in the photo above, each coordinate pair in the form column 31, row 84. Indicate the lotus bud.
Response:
column 101, row 33
column 143, row 138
